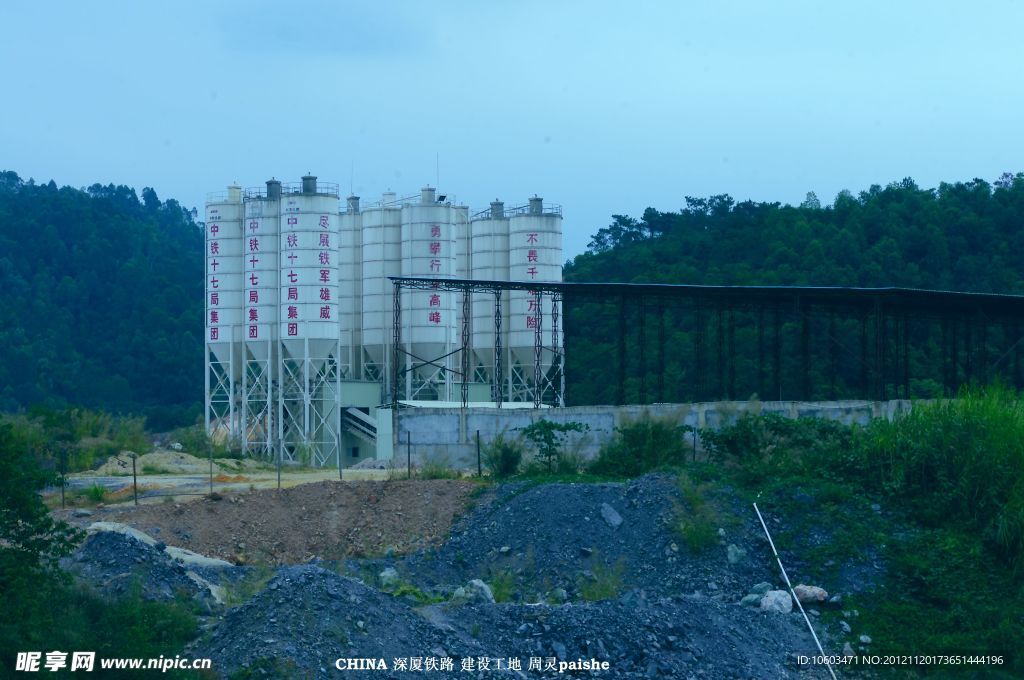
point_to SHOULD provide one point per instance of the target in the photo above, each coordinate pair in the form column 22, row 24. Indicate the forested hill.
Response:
column 102, row 301
column 967, row 236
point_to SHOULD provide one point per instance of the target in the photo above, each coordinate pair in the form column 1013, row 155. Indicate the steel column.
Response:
column 643, row 350
column 760, row 353
column 498, row 377
column 621, row 397
column 777, row 351
column 720, row 345
column 698, row 351
column 661, row 351
column 538, row 350
column 396, row 342
column 833, row 352
column 805, row 350
column 466, row 311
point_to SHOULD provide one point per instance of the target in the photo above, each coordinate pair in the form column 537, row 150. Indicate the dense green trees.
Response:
column 102, row 301
column 965, row 236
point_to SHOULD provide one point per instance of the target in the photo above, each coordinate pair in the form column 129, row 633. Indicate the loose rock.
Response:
column 735, row 554
column 777, row 601
column 810, row 594
column 613, row 518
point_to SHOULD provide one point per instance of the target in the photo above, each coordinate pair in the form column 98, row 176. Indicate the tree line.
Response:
column 102, row 301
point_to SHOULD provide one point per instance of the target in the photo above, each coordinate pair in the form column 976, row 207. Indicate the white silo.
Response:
column 381, row 257
column 261, row 230
column 309, row 323
column 224, row 290
column 429, row 331
column 490, row 260
column 350, row 286
column 535, row 254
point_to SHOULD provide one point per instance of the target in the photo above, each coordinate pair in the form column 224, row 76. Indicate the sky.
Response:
column 603, row 107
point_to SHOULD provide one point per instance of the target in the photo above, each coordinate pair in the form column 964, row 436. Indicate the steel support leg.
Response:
column 498, row 377
column 466, row 312
column 396, row 343
column 538, row 350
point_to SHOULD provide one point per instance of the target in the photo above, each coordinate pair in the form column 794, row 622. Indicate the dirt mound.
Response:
column 308, row 617
column 163, row 461
column 326, row 520
column 156, row 461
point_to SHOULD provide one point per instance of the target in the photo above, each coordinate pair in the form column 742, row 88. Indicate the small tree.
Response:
column 31, row 543
column 547, row 438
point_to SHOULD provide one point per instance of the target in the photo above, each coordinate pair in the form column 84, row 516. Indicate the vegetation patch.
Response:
column 950, row 477
column 642, row 445
column 605, row 582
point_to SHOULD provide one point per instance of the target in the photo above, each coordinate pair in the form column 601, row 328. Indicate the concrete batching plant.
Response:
column 299, row 324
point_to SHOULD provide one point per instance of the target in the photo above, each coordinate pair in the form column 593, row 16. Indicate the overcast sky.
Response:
column 602, row 107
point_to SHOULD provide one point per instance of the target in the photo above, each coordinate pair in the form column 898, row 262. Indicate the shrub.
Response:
column 502, row 456
column 642, row 445
column 193, row 439
column 547, row 438
column 768, row 445
column 96, row 493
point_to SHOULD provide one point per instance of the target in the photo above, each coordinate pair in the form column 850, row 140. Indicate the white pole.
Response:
column 795, row 599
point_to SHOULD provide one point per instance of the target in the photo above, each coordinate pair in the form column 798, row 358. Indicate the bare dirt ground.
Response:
column 326, row 520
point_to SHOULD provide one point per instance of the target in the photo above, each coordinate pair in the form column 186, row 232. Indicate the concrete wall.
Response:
column 450, row 433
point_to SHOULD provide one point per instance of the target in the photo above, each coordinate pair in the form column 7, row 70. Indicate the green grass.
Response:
column 503, row 584
column 606, row 582
column 950, row 479
column 254, row 581
column 96, row 493
column 435, row 468
column 697, row 518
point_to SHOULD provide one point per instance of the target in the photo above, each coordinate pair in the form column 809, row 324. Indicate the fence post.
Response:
column 209, row 447
column 63, row 473
column 479, row 467
column 135, row 480
column 408, row 453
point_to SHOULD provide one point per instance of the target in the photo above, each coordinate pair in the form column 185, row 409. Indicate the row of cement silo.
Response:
column 426, row 237
column 298, row 301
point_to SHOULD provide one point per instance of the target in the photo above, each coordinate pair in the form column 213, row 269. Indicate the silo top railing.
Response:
column 322, row 189
column 547, row 209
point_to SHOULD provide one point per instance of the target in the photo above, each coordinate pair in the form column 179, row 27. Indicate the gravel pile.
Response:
column 558, row 535
column 115, row 564
column 307, row 617
column 640, row 636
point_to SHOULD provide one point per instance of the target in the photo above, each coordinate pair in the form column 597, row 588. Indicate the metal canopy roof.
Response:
column 944, row 302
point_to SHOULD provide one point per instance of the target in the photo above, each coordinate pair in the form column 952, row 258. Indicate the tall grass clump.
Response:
column 763, row 447
column 503, row 456
column 959, row 461
column 642, row 445
column 436, row 468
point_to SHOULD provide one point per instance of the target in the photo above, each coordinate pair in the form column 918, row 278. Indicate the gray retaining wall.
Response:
column 450, row 433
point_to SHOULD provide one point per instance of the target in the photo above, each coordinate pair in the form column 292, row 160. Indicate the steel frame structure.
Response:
column 542, row 383
column 889, row 320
